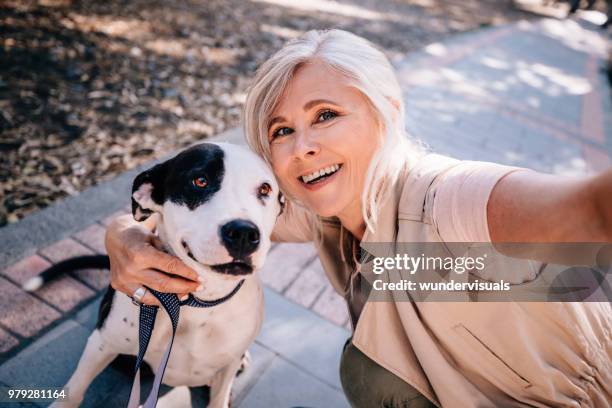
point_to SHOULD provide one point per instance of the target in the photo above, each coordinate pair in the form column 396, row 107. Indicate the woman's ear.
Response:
column 397, row 106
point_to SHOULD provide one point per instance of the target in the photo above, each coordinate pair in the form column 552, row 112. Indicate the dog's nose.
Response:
column 240, row 237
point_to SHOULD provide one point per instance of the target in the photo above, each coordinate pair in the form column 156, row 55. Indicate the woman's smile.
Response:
column 314, row 180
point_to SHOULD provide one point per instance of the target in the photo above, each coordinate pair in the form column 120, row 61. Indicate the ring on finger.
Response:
column 138, row 295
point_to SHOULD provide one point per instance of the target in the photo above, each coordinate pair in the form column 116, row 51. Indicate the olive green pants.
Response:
column 368, row 385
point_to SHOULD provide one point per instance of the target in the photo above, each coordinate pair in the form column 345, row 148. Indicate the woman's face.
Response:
column 323, row 134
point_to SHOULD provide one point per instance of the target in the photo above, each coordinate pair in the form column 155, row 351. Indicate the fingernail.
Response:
column 200, row 288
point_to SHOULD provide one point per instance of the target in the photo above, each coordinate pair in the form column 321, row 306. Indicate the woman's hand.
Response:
column 135, row 261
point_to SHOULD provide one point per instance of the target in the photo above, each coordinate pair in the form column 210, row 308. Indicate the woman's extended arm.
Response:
column 527, row 206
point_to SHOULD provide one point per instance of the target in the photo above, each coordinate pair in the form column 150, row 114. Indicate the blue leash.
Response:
column 172, row 305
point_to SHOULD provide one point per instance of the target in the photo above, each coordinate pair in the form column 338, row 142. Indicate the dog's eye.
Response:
column 200, row 182
column 264, row 190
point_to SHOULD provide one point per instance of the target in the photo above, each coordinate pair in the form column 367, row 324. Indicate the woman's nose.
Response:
column 305, row 146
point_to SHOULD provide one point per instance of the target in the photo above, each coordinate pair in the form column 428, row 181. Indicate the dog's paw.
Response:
column 244, row 363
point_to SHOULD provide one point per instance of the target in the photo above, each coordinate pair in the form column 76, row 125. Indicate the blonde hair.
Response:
column 369, row 71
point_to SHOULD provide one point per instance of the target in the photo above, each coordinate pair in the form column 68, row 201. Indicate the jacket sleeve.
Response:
column 295, row 224
column 460, row 200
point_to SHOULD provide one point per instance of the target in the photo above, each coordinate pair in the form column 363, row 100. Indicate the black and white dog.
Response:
column 217, row 205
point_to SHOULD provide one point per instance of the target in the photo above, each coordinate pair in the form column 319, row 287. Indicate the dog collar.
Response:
column 172, row 305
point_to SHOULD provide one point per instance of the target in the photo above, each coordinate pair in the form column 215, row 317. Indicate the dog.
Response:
column 217, row 204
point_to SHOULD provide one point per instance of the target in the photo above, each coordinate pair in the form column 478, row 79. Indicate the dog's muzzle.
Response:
column 236, row 267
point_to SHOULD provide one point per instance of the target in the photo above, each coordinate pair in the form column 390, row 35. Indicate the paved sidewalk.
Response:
column 529, row 94
column 532, row 94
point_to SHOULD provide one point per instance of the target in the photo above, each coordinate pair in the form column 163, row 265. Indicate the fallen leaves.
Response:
column 91, row 89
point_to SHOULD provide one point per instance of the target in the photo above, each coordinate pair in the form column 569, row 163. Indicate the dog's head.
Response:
column 218, row 205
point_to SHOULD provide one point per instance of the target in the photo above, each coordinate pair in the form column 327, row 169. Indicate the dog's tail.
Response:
column 67, row 265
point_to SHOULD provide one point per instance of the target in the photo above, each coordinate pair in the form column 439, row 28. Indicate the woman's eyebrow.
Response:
column 275, row 120
column 310, row 104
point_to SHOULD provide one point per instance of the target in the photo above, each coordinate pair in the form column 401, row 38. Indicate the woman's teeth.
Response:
column 320, row 173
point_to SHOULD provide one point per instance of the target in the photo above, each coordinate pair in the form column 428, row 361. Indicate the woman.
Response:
column 326, row 112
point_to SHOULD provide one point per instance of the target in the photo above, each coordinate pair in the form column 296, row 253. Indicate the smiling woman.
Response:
column 326, row 112
column 350, row 100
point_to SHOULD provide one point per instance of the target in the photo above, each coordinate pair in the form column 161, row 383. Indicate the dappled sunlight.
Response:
column 186, row 126
column 282, row 32
column 496, row 75
column 528, row 77
column 436, row 49
column 533, row 102
column 572, row 35
column 181, row 49
column 514, row 157
column 495, row 63
column 573, row 84
column 333, row 7
column 446, row 117
column 424, row 3
column 446, row 110
column 169, row 47
column 54, row 3
column 573, row 166
column 490, row 107
column 470, row 89
column 499, row 86
column 547, row 80
column 222, row 56
column 539, row 7
column 130, row 29
column 593, row 16
column 143, row 36
column 458, row 13
column 452, row 75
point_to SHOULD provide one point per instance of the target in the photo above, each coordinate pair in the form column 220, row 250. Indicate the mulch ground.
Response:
column 89, row 89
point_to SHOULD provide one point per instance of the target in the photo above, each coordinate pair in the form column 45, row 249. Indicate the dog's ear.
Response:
column 281, row 201
column 148, row 192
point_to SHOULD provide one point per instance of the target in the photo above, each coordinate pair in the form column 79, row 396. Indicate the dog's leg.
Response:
column 96, row 356
column 221, row 385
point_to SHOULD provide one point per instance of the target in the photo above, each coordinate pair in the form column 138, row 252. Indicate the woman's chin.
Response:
column 330, row 210
column 325, row 202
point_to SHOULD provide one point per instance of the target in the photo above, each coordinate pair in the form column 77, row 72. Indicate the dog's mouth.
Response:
column 189, row 253
column 233, row 268
column 236, row 267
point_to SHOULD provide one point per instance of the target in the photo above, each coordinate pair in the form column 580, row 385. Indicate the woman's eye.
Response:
column 284, row 131
column 200, row 182
column 326, row 115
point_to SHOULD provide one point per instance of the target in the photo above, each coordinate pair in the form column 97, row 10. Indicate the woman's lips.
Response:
column 320, row 184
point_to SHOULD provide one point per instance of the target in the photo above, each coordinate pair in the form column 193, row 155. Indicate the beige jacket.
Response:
column 467, row 354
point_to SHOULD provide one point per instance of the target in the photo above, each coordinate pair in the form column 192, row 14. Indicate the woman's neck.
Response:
column 352, row 219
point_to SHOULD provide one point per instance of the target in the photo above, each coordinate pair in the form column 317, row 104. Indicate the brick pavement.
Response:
column 528, row 94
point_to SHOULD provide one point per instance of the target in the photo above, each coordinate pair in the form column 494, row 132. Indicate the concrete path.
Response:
column 529, row 94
